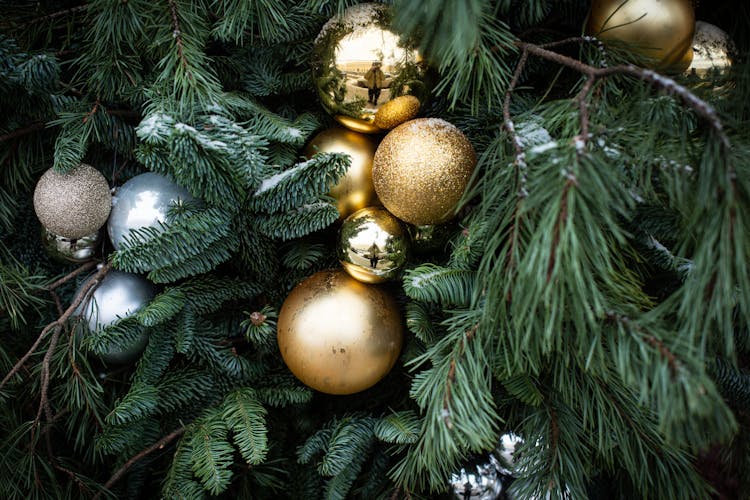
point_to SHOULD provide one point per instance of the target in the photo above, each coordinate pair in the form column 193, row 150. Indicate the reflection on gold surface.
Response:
column 373, row 245
column 359, row 64
column 712, row 50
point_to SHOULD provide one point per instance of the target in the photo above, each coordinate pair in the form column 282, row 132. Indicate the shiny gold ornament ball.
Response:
column 74, row 204
column 355, row 189
column 421, row 170
column 359, row 64
column 659, row 30
column 337, row 335
column 397, row 111
column 712, row 50
column 373, row 245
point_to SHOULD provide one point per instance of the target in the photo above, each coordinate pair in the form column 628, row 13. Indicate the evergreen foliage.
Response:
column 594, row 296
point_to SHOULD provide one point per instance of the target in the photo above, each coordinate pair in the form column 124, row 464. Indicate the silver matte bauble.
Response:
column 477, row 482
column 143, row 201
column 74, row 204
column 119, row 295
column 66, row 250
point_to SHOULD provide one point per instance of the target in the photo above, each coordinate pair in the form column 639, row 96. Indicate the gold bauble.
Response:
column 355, row 189
column 337, row 335
column 359, row 64
column 712, row 49
column 421, row 169
column 74, row 204
column 659, row 30
column 373, row 245
column 397, row 111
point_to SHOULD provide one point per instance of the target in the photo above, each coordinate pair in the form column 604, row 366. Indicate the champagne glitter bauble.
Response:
column 421, row 169
column 659, row 30
column 119, row 295
column 143, row 201
column 373, row 245
column 337, row 335
column 477, row 482
column 712, row 50
column 74, row 204
column 66, row 250
column 359, row 64
column 397, row 111
column 354, row 190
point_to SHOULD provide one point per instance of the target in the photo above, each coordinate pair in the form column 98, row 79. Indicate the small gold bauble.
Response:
column 373, row 245
column 397, row 111
column 355, row 189
column 712, row 49
column 359, row 64
column 74, row 204
column 337, row 335
column 421, row 169
column 659, row 30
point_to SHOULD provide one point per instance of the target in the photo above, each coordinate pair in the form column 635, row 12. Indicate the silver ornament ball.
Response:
column 477, row 482
column 119, row 295
column 143, row 201
column 74, row 204
column 66, row 250
column 504, row 456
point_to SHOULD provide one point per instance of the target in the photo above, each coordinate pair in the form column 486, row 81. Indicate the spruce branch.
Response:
column 59, row 322
column 160, row 444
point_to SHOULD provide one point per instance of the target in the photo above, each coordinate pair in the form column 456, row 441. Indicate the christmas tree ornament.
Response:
column 118, row 296
column 396, row 111
column 143, row 201
column 660, row 31
column 66, row 250
column 359, row 64
column 74, row 204
column 430, row 238
column 712, row 50
column 421, row 169
column 337, row 335
column 504, row 457
column 479, row 481
column 354, row 190
column 373, row 245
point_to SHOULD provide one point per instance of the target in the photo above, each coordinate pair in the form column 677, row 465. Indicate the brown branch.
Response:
column 468, row 336
column 54, row 15
column 82, row 269
column 59, row 322
column 583, row 108
column 559, row 225
column 658, row 344
column 23, row 131
column 177, row 33
column 160, row 444
column 92, row 112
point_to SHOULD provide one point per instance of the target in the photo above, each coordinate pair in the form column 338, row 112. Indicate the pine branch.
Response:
column 59, row 322
column 160, row 444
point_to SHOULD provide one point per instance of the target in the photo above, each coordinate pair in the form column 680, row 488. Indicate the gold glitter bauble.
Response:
column 712, row 50
column 397, row 111
column 659, row 30
column 359, row 64
column 373, row 245
column 74, row 204
column 337, row 335
column 421, row 169
column 355, row 189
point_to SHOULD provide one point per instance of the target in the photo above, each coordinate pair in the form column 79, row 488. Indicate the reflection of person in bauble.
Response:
column 375, row 79
column 373, row 253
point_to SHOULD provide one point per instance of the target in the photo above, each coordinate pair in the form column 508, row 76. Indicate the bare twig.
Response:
column 54, row 15
column 59, row 322
column 160, row 444
column 22, row 131
column 82, row 269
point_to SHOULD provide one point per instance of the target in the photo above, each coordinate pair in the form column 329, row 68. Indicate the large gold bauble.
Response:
column 337, row 335
column 359, row 64
column 355, row 189
column 421, row 169
column 659, row 30
column 373, row 245
column 712, row 50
